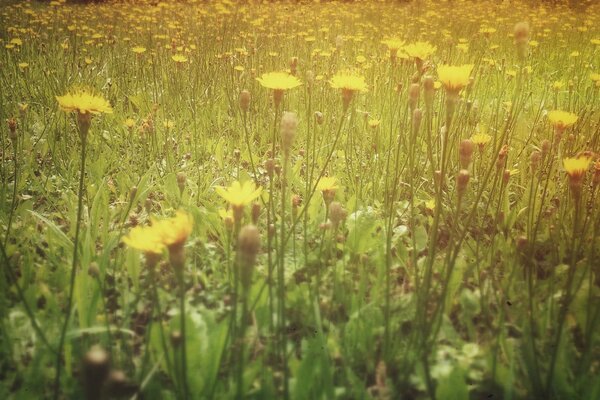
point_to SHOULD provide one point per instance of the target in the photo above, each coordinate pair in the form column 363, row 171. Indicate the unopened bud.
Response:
column 289, row 124
column 465, row 152
column 249, row 246
column 462, row 181
column 245, row 98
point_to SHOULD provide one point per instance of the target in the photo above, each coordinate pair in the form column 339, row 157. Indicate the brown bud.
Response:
column 413, row 95
column 465, row 152
column 462, row 181
column 245, row 98
column 249, row 246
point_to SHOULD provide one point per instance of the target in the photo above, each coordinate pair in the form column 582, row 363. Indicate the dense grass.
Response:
column 432, row 267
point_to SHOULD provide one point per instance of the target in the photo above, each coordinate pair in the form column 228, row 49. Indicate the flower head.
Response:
column 174, row 231
column 561, row 119
column 145, row 238
column 239, row 195
column 393, row 44
column 420, row 50
column 481, row 139
column 84, row 103
column 279, row 81
column 455, row 77
column 349, row 82
column 179, row 58
column 576, row 167
column 328, row 185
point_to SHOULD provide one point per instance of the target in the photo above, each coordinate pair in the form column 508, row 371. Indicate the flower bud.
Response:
column 245, row 98
column 462, row 181
column 465, row 152
column 413, row 95
column 255, row 213
column 289, row 123
column 248, row 247
column 181, row 179
column 429, row 91
column 337, row 214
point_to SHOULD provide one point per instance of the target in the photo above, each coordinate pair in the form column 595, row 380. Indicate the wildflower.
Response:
column 138, row 49
column 561, row 120
column 173, row 233
column 179, row 58
column 278, row 82
column 393, row 45
column 328, row 185
column 576, row 168
column 239, row 195
column 146, row 239
column 84, row 102
column 374, row 123
column 86, row 105
column 349, row 82
column 481, row 139
column 596, row 79
column 420, row 51
column 454, row 77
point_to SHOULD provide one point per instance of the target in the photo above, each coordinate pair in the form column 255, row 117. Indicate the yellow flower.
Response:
column 84, row 102
column 138, row 49
column 348, row 81
column 420, row 50
column 239, row 195
column 393, row 44
column 374, row 123
column 145, row 238
column 327, row 183
column 557, row 85
column 481, row 139
column 23, row 65
column 174, row 231
column 576, row 167
column 595, row 78
column 129, row 123
column 561, row 119
column 278, row 81
column 455, row 77
column 179, row 58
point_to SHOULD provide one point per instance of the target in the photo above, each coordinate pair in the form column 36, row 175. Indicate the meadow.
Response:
column 299, row 200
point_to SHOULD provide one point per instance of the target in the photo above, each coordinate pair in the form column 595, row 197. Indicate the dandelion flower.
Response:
column 239, row 195
column 179, row 58
column 454, row 77
column 481, row 139
column 349, row 82
column 279, row 82
column 146, row 239
column 561, row 120
column 328, row 185
column 420, row 50
column 576, row 168
column 84, row 103
column 138, row 49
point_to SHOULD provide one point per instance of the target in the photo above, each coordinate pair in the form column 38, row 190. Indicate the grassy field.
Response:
column 230, row 199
